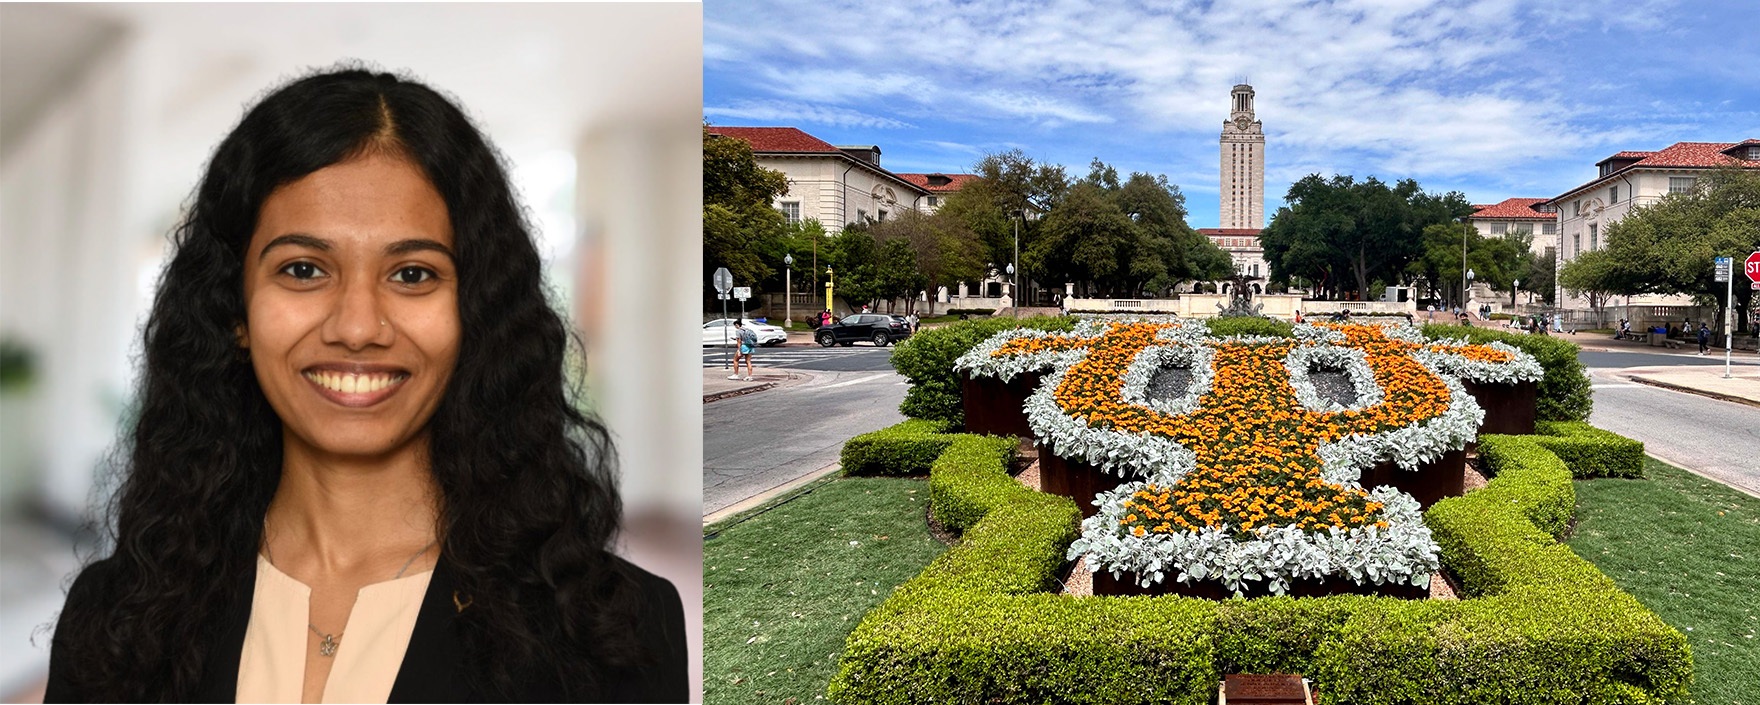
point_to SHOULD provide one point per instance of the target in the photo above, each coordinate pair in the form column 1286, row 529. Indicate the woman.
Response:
column 357, row 474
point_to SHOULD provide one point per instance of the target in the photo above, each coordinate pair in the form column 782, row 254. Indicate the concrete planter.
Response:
column 995, row 407
column 1428, row 484
column 1509, row 408
column 1105, row 584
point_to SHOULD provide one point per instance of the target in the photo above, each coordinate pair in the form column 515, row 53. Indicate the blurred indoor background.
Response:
column 108, row 114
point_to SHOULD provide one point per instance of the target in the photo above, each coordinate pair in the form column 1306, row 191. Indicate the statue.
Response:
column 1240, row 302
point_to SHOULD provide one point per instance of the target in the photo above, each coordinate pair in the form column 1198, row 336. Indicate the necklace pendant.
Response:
column 328, row 646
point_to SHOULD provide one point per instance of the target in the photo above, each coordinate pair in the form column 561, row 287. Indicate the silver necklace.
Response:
column 327, row 647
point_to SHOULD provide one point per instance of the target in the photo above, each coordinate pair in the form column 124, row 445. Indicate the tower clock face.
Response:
column 1241, row 122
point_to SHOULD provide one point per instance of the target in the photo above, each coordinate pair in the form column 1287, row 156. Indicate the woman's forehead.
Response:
column 367, row 202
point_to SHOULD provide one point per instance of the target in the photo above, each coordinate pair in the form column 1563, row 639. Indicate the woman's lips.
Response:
column 354, row 389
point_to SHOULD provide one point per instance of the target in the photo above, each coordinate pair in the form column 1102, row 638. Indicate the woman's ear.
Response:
column 243, row 338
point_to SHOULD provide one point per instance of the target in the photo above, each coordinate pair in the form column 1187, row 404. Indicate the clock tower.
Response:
column 1243, row 164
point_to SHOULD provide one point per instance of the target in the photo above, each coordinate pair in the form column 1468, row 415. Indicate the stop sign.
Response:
column 1752, row 267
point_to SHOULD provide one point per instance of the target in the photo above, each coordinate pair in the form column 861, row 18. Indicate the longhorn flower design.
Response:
column 1251, row 471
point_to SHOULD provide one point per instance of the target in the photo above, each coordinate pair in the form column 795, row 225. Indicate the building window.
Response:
column 1681, row 184
column 1498, row 228
column 1525, row 228
column 1613, row 194
column 1255, row 270
column 1549, row 228
column 791, row 211
column 861, row 216
column 1577, row 207
column 882, row 217
column 1576, row 243
column 1594, row 237
column 933, row 202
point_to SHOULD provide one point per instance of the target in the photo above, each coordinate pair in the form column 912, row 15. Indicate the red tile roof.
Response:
column 1695, row 154
column 955, row 181
column 1680, row 155
column 777, row 139
column 1513, row 209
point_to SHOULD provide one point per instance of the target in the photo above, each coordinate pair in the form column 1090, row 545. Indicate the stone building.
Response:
column 938, row 186
column 1242, row 186
column 1630, row 179
column 835, row 185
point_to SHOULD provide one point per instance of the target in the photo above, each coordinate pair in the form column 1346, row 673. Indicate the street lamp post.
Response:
column 830, row 284
column 1020, row 215
column 1014, row 290
column 1467, row 299
column 1514, row 291
column 787, row 290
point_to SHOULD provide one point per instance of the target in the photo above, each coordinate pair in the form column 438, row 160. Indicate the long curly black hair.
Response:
column 529, row 500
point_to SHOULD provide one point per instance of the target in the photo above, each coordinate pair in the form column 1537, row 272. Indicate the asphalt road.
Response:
column 761, row 441
column 1716, row 439
column 861, row 357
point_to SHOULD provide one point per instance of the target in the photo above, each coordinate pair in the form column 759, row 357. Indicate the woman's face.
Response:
column 351, row 298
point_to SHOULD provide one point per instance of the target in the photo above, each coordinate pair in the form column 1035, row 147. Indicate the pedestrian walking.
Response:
column 1704, row 338
column 911, row 320
column 1430, row 315
column 748, row 341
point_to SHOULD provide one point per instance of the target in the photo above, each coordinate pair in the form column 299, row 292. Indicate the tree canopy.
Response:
column 1342, row 234
column 742, row 231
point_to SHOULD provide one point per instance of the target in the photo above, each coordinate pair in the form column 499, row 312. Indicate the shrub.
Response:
column 1249, row 325
column 1564, row 391
column 1589, row 451
column 908, row 448
column 1540, row 625
column 926, row 359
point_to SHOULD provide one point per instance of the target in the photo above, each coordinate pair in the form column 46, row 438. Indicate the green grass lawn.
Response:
column 1689, row 549
column 784, row 587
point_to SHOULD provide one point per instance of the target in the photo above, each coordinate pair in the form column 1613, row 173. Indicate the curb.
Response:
column 718, row 396
column 770, row 498
column 1691, row 390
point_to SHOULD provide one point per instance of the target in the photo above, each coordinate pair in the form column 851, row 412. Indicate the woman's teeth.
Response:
column 353, row 383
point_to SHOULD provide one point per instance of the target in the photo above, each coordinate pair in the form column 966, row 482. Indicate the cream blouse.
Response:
column 271, row 669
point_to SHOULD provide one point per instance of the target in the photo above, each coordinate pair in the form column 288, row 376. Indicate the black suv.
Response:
column 877, row 327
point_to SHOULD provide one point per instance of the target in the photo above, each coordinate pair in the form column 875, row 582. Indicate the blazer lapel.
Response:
column 219, row 682
column 430, row 670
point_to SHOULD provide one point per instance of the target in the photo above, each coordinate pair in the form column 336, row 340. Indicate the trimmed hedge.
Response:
column 1249, row 325
column 1589, row 451
column 926, row 359
column 908, row 448
column 1540, row 625
column 1564, row 391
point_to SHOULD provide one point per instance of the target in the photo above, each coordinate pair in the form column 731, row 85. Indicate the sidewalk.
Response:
column 1604, row 342
column 1743, row 386
column 717, row 386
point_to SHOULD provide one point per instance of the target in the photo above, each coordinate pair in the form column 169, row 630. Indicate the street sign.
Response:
column 1723, row 265
column 742, row 292
column 1753, row 267
column 723, row 280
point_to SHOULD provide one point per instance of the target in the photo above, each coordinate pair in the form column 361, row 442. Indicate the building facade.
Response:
column 1518, row 216
column 1630, row 179
column 1242, row 246
column 1243, row 164
column 837, row 186
column 938, row 186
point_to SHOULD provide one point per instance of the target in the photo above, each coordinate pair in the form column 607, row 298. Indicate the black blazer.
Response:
column 434, row 668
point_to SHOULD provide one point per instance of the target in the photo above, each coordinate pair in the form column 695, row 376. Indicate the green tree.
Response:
column 741, row 227
column 1667, row 247
column 1343, row 234
column 1495, row 261
column 944, row 249
column 855, row 258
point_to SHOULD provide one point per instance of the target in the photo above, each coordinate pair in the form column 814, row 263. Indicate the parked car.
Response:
column 879, row 328
column 721, row 332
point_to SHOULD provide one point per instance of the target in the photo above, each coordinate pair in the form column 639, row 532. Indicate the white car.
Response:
column 721, row 332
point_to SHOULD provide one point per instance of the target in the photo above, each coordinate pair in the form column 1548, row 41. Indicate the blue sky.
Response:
column 1493, row 98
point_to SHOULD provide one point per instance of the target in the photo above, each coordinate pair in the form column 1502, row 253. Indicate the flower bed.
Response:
column 1536, row 623
column 1255, row 446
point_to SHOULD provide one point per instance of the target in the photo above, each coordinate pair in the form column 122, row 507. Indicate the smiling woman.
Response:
column 357, row 473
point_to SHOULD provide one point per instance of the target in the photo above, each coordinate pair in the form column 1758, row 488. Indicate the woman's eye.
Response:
column 413, row 275
column 302, row 270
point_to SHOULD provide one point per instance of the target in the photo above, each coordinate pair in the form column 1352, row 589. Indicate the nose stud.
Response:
column 381, row 321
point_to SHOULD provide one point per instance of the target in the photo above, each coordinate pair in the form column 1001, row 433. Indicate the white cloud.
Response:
column 791, row 113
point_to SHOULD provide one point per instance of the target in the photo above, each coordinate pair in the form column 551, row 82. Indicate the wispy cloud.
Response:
column 790, row 113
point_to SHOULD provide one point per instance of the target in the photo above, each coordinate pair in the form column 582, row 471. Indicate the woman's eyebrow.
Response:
column 295, row 239
column 404, row 247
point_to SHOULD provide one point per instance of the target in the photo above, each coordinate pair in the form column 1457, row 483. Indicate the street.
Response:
column 758, row 442
column 861, row 357
column 1714, row 438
